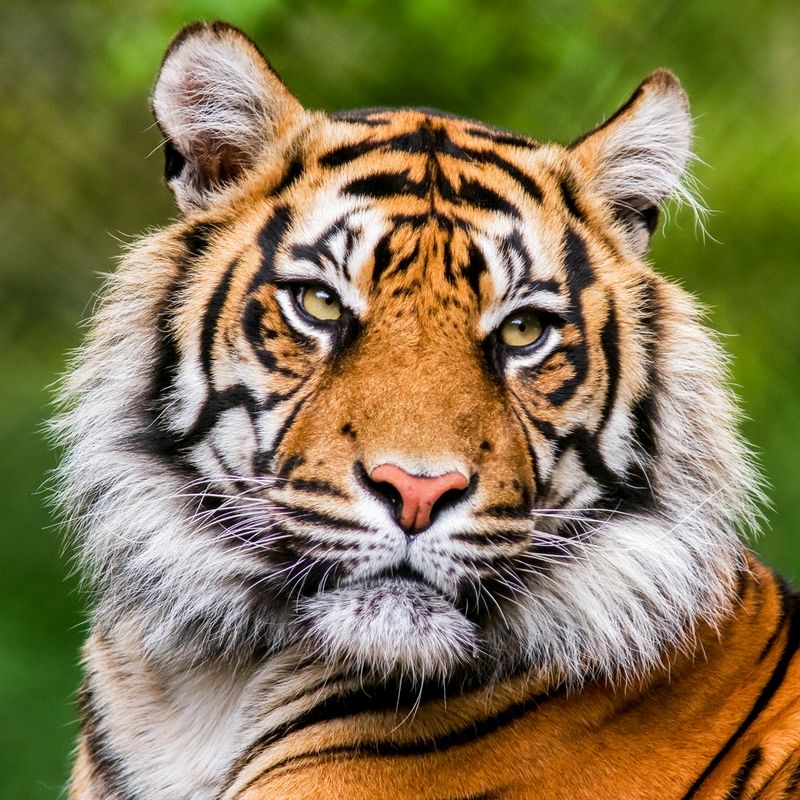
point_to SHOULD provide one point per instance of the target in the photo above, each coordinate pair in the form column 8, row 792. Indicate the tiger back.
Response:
column 399, row 473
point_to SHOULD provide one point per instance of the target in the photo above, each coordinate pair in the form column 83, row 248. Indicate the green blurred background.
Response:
column 79, row 177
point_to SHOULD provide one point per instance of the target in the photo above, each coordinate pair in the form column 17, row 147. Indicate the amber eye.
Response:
column 320, row 302
column 521, row 329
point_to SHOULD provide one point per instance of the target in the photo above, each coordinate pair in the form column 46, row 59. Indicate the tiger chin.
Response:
column 396, row 471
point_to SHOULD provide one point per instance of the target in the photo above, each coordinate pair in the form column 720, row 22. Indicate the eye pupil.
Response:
column 521, row 329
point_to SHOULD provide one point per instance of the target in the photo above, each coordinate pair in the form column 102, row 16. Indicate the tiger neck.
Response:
column 194, row 728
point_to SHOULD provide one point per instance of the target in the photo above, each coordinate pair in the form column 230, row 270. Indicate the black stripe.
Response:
column 196, row 241
column 791, row 609
column 743, row 775
column 340, row 706
column 109, row 776
column 386, row 184
column 547, row 429
column 437, row 744
column 363, row 116
column 211, row 318
column 316, row 487
column 269, row 240
column 578, row 358
column 585, row 447
column 417, row 221
column 513, row 244
column 645, row 409
column 579, row 276
column 348, row 152
column 309, row 516
column 576, row 261
column 217, row 404
column 447, row 263
column 389, row 184
column 780, row 626
column 633, row 493
column 524, row 180
column 794, row 780
column 198, row 238
column 289, row 465
column 293, row 173
column 499, row 136
column 264, row 459
column 429, row 140
column 476, row 194
column 382, row 258
column 257, row 336
column 570, row 201
column 474, row 268
column 155, row 436
column 609, row 343
column 440, row 183
column 629, row 493
column 317, row 253
column 540, row 485
column 792, row 784
column 505, row 512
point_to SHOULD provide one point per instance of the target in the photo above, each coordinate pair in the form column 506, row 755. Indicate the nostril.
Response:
column 388, row 493
column 450, row 498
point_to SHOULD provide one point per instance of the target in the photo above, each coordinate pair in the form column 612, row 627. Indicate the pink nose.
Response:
column 418, row 494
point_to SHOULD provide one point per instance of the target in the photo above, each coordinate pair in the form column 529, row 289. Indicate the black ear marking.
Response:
column 174, row 162
column 640, row 222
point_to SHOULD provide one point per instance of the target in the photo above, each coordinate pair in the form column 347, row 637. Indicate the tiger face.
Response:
column 400, row 392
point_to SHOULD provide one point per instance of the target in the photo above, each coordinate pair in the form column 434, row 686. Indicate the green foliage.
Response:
column 79, row 179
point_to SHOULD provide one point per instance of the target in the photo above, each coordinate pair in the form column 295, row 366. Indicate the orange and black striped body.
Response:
column 399, row 472
column 720, row 721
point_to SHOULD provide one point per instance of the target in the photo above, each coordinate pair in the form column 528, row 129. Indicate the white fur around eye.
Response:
column 320, row 333
column 525, row 358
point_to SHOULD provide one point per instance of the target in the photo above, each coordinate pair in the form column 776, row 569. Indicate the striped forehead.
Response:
column 412, row 173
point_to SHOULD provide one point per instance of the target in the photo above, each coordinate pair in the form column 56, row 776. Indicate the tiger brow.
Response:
column 545, row 295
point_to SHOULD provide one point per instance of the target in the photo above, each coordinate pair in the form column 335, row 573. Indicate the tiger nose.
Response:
column 419, row 494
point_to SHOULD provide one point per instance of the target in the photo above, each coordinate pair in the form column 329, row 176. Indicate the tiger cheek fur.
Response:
column 399, row 473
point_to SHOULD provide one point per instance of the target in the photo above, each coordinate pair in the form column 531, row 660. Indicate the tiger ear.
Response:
column 219, row 104
column 638, row 158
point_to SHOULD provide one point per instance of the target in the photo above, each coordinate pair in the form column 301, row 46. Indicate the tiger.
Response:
column 397, row 471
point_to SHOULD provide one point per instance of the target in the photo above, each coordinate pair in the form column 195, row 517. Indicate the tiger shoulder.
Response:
column 397, row 471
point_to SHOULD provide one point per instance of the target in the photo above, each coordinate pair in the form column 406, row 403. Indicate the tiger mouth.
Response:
column 404, row 573
column 406, row 580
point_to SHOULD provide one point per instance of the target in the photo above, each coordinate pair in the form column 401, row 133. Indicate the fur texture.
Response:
column 251, row 577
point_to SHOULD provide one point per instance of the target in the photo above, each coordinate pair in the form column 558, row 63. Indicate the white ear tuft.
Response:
column 219, row 104
column 639, row 157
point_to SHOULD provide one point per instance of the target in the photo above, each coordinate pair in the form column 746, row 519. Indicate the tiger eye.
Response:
column 521, row 329
column 320, row 303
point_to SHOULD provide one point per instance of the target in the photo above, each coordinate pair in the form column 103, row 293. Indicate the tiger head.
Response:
column 399, row 392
